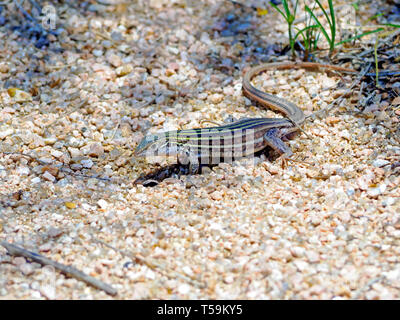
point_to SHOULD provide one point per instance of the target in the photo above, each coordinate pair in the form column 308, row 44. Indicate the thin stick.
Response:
column 376, row 61
column 76, row 107
column 67, row 270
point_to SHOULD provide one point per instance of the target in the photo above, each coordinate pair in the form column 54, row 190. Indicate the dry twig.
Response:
column 67, row 270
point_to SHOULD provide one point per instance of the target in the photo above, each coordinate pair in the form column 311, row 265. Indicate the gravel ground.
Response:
column 325, row 228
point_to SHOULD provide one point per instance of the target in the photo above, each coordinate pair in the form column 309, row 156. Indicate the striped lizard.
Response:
column 241, row 138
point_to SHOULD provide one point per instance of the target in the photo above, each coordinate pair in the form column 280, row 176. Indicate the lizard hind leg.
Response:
column 272, row 139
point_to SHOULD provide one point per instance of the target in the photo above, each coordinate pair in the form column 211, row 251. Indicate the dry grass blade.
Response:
column 341, row 97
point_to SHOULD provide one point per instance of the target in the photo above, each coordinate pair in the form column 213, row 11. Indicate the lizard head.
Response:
column 147, row 145
column 158, row 144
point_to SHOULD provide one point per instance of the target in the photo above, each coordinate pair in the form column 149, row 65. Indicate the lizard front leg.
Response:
column 187, row 157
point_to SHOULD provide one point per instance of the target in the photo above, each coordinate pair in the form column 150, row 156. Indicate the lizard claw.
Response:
column 285, row 159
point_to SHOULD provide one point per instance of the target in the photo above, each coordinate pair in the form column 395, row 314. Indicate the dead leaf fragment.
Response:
column 70, row 205
column 19, row 95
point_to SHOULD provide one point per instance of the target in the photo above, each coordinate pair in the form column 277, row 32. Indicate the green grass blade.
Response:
column 286, row 7
column 376, row 63
column 280, row 11
column 392, row 25
column 333, row 20
column 374, row 17
column 304, row 29
column 300, row 32
column 306, row 37
column 359, row 36
column 295, row 7
column 316, row 40
column 325, row 13
column 319, row 24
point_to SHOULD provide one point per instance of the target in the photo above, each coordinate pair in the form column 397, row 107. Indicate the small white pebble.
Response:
column 216, row 98
column 6, row 132
column 48, row 291
column 75, row 152
column 184, row 289
column 36, row 295
column 205, row 38
column 45, row 247
column 23, row 171
column 202, row 95
column 56, row 153
column 35, row 180
column 173, row 50
column 26, row 268
column 97, row 53
column 187, row 270
column 374, row 192
column 380, row 163
column 103, row 204
column 48, row 176
column 87, row 163
column 301, row 265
